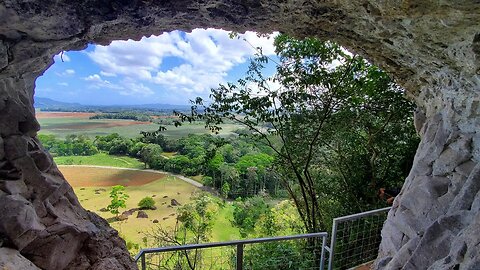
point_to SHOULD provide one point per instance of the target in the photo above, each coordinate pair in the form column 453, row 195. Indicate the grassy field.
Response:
column 94, row 197
column 101, row 159
column 63, row 125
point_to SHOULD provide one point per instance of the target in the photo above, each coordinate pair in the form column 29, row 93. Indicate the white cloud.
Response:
column 203, row 58
column 63, row 84
column 61, row 57
column 98, row 83
column 132, row 89
column 127, row 87
column 93, row 78
column 107, row 74
column 66, row 73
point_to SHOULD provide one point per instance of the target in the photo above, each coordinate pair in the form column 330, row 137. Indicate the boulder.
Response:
column 12, row 259
column 174, row 202
column 142, row 214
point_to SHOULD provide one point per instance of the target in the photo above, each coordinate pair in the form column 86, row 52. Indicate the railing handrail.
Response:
column 362, row 214
column 229, row 243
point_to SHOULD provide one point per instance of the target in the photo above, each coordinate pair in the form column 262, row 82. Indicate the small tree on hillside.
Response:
column 147, row 203
column 194, row 225
column 119, row 199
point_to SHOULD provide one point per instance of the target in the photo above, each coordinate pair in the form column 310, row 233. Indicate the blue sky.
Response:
column 171, row 68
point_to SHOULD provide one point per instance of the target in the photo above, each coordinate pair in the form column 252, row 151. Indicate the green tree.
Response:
column 225, row 190
column 149, row 152
column 118, row 199
column 247, row 212
column 317, row 88
column 147, row 203
column 194, row 225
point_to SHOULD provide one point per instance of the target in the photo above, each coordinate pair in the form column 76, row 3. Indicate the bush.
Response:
column 147, row 203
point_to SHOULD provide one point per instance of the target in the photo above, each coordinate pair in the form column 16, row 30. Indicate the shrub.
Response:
column 147, row 203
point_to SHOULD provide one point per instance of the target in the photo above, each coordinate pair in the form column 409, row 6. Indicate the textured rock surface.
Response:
column 11, row 259
column 432, row 48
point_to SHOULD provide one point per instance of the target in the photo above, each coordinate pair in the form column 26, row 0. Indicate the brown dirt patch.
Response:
column 42, row 115
column 103, row 177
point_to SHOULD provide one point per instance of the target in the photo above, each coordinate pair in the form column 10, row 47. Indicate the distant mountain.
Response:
column 48, row 104
column 41, row 102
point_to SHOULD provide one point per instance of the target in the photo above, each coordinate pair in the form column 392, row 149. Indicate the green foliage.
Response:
column 119, row 198
column 197, row 217
column 149, row 153
column 247, row 212
column 73, row 145
column 207, row 181
column 260, row 161
column 194, row 225
column 147, row 203
column 336, row 125
column 124, row 115
column 225, row 190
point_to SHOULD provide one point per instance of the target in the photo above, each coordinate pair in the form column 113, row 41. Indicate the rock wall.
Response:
column 430, row 47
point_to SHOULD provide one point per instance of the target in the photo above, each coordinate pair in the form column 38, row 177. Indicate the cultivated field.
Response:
column 139, row 184
column 79, row 176
column 93, row 185
column 62, row 124
column 44, row 115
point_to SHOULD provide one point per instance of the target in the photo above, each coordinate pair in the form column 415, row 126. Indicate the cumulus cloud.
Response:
column 97, row 82
column 107, row 74
column 66, row 73
column 203, row 58
column 133, row 89
column 126, row 87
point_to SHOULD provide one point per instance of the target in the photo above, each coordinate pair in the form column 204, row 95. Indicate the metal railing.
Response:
column 355, row 238
column 236, row 260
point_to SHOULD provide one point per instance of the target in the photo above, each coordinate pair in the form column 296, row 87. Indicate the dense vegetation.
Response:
column 338, row 126
column 73, row 145
column 235, row 166
column 137, row 116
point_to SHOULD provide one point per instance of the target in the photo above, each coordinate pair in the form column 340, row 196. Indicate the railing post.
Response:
column 239, row 257
column 332, row 244
column 322, row 254
column 144, row 263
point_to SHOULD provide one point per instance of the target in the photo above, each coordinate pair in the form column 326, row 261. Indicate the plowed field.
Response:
column 103, row 177
column 43, row 115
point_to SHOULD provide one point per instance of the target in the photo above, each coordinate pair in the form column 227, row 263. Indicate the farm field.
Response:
column 100, row 159
column 62, row 124
column 92, row 186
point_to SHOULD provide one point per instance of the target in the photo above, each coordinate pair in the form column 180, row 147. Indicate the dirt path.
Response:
column 181, row 177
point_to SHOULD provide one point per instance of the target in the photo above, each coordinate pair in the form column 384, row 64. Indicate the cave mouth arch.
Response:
column 430, row 48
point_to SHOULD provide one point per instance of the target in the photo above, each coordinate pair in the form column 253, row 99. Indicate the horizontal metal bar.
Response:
column 363, row 214
column 229, row 243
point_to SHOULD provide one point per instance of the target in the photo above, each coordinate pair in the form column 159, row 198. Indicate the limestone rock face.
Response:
column 11, row 259
column 432, row 48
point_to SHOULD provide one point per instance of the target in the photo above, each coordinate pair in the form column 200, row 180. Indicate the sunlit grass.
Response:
column 101, row 159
